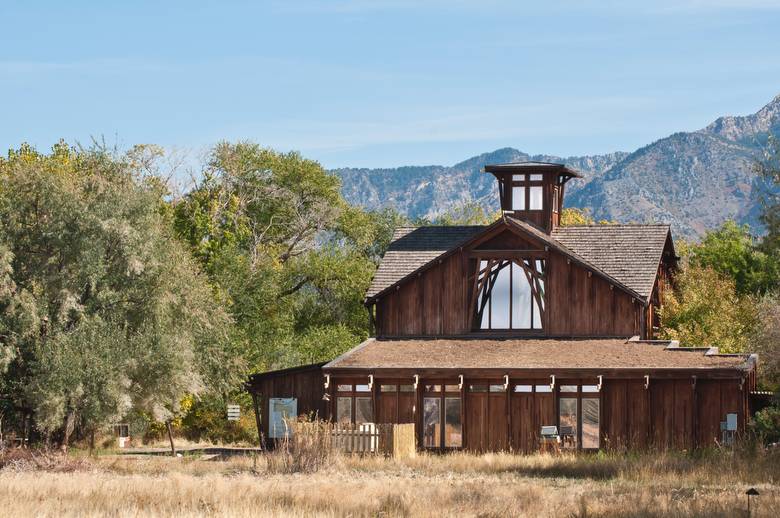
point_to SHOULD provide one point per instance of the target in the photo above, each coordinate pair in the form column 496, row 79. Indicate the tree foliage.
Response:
column 101, row 308
column 734, row 253
column 289, row 257
column 705, row 311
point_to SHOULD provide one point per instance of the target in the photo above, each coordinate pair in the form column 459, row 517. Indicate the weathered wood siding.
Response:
column 437, row 302
column 434, row 303
column 305, row 384
column 670, row 414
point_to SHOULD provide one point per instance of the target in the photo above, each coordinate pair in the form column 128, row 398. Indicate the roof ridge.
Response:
column 612, row 225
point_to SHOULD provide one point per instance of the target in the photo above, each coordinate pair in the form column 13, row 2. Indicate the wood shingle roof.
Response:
column 537, row 353
column 627, row 254
column 413, row 247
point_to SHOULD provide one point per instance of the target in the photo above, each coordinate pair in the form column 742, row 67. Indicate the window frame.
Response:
column 579, row 395
column 442, row 396
column 353, row 394
column 524, row 183
column 536, row 308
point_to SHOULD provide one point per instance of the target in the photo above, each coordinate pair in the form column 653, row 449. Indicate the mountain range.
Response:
column 693, row 180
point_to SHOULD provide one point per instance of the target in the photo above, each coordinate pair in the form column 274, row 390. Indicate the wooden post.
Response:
column 258, row 421
column 170, row 437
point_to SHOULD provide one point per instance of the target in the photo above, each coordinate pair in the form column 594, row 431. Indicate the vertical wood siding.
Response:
column 437, row 302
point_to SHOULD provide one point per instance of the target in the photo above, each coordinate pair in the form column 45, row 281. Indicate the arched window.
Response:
column 509, row 294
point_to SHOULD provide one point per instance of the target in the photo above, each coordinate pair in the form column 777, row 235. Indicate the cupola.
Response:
column 532, row 191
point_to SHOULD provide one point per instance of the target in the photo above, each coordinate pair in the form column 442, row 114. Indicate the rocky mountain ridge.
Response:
column 693, row 180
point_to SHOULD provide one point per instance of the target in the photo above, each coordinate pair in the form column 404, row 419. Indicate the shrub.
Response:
column 17, row 459
column 308, row 448
column 766, row 425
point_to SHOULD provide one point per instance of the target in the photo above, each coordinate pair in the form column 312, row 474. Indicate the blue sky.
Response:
column 383, row 83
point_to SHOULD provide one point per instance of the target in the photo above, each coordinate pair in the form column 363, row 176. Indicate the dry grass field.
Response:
column 429, row 485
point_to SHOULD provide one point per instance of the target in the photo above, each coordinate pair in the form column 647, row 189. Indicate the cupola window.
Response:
column 527, row 192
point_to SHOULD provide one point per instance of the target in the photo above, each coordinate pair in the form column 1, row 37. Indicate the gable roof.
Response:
column 626, row 255
column 598, row 354
column 414, row 247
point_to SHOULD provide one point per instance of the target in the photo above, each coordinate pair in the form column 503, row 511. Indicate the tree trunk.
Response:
column 91, row 442
column 27, row 418
column 70, row 424
column 170, row 437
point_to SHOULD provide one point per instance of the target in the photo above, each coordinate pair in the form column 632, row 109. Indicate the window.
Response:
column 431, row 422
column 387, row 388
column 453, row 425
column 543, row 389
column 567, row 417
column 364, row 412
column 579, row 409
column 518, row 197
column 590, row 422
column 406, row 388
column 527, row 191
column 510, row 294
column 354, row 403
column 442, row 419
column 524, row 388
column 478, row 388
column 535, row 198
column 344, row 410
column 497, row 388
column 555, row 199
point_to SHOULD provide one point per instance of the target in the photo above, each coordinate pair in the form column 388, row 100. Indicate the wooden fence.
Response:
column 397, row 440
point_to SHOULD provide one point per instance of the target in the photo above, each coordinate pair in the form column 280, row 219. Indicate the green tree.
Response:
column 102, row 307
column 574, row 216
column 469, row 213
column 766, row 341
column 733, row 252
column 705, row 310
column 288, row 256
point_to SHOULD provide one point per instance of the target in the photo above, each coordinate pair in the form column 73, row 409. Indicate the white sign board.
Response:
column 731, row 422
column 233, row 412
column 280, row 409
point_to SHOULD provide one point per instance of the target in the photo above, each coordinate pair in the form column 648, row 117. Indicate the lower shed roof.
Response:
column 518, row 354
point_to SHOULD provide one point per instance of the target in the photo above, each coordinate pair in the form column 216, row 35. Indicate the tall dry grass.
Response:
column 647, row 485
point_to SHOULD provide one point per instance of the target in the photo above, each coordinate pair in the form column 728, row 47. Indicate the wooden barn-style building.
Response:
column 485, row 335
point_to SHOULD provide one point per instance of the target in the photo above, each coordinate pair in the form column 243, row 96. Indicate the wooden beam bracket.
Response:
column 370, row 382
column 601, row 381
column 552, row 381
column 647, row 381
column 506, row 382
column 416, row 381
column 327, row 381
column 460, row 381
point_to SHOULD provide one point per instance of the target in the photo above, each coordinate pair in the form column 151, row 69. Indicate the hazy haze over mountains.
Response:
column 694, row 180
